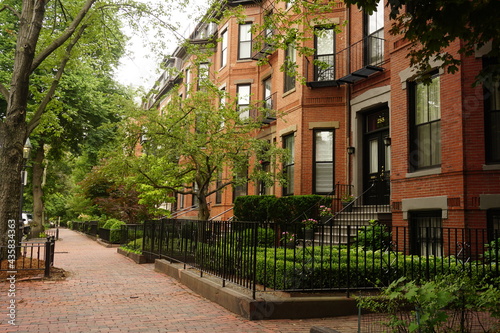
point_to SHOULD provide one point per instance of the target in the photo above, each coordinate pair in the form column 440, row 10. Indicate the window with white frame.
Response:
column 245, row 41
column 324, row 57
column 323, row 161
column 425, row 126
column 202, row 73
column 268, row 102
column 243, row 91
column 289, row 165
column 290, row 67
column 223, row 51
column 374, row 28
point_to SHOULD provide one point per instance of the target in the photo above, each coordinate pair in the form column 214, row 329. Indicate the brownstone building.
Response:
column 421, row 154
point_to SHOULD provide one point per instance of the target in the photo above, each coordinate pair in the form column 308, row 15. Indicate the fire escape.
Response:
column 355, row 63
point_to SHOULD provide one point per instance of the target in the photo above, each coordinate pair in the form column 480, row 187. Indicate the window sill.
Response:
column 491, row 167
column 245, row 60
column 289, row 92
column 422, row 173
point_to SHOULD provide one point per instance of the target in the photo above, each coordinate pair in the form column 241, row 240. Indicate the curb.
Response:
column 265, row 306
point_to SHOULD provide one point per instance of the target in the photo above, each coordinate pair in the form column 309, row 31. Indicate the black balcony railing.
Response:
column 350, row 65
column 265, row 111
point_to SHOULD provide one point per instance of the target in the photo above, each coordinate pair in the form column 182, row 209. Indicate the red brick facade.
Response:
column 463, row 186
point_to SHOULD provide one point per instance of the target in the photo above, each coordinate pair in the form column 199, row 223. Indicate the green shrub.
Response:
column 374, row 237
column 281, row 210
column 265, row 237
column 428, row 306
column 254, row 207
column 492, row 253
column 115, row 234
column 134, row 246
column 109, row 223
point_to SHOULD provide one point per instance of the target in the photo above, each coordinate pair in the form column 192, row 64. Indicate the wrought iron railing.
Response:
column 290, row 257
column 367, row 52
column 30, row 255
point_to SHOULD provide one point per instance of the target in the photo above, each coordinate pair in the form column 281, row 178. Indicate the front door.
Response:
column 377, row 152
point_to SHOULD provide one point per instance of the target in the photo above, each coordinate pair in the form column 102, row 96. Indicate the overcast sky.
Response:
column 140, row 67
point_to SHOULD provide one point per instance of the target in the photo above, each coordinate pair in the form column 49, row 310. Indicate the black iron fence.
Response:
column 268, row 256
column 31, row 255
column 87, row 227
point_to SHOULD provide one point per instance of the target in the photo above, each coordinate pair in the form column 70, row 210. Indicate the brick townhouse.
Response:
column 426, row 155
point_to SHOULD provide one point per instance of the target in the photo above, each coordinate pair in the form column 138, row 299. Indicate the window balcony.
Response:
column 261, row 47
column 266, row 111
column 364, row 58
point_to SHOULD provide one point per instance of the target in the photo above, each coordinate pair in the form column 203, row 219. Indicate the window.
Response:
column 374, row 31
column 202, row 73
column 324, row 59
column 425, row 127
column 241, row 189
column 493, row 224
column 218, row 184
column 290, row 68
column 245, row 41
column 223, row 51
column 188, row 81
column 289, row 166
column 426, row 233
column 268, row 102
column 323, row 161
column 492, row 117
column 243, row 91
column 181, row 200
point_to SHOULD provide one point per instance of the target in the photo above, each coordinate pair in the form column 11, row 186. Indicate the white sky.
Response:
column 141, row 66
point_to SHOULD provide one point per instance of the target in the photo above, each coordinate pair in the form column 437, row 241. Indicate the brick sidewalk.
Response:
column 107, row 292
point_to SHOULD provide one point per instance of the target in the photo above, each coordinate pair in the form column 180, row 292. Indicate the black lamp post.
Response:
column 24, row 178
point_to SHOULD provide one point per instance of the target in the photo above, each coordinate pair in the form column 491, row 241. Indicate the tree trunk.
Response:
column 11, row 161
column 13, row 128
column 203, row 209
column 38, row 205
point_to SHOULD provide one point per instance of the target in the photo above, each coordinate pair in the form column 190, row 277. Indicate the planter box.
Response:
column 137, row 258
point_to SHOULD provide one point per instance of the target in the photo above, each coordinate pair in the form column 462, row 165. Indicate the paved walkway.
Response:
column 107, row 292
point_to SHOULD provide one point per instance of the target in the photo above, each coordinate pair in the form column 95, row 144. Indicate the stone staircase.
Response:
column 345, row 224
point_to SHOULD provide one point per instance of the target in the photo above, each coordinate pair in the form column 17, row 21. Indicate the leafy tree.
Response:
column 188, row 145
column 36, row 50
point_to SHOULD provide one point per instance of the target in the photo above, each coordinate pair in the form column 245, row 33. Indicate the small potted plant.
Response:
column 325, row 213
column 288, row 239
column 309, row 225
column 347, row 202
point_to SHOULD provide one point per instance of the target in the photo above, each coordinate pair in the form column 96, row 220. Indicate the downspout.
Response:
column 348, row 97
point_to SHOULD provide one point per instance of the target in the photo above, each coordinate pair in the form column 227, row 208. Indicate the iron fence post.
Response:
column 49, row 255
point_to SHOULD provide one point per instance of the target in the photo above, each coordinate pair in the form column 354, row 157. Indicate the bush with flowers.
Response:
column 287, row 236
column 347, row 198
column 309, row 223
column 325, row 211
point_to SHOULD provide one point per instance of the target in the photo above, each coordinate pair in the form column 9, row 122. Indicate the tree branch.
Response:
column 4, row 91
column 64, row 37
column 35, row 120
column 12, row 10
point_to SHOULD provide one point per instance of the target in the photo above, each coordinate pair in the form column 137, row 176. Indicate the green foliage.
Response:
column 254, row 207
column 134, row 246
column 110, row 223
column 427, row 307
column 492, row 253
column 374, row 237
